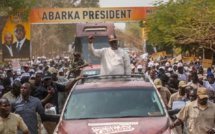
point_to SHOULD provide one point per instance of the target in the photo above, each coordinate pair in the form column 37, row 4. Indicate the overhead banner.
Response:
column 16, row 40
column 80, row 15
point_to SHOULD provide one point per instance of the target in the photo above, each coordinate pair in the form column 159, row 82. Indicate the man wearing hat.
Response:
column 180, row 95
column 210, row 83
column 114, row 60
column 47, row 92
column 76, row 64
column 199, row 114
column 164, row 92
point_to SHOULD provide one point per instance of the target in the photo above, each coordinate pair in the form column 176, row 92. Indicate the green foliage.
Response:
column 183, row 23
column 11, row 7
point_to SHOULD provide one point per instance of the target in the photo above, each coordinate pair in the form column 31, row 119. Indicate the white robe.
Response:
column 112, row 61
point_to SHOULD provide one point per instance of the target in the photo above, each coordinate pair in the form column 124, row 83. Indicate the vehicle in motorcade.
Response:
column 114, row 104
column 91, row 70
column 100, row 31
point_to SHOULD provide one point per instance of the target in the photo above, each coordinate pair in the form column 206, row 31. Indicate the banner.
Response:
column 16, row 39
column 178, row 58
column 188, row 60
column 206, row 63
column 80, row 15
column 157, row 56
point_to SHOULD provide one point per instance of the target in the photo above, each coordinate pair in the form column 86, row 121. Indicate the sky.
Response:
column 126, row 3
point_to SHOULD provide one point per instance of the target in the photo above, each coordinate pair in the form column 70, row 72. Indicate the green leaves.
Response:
column 183, row 23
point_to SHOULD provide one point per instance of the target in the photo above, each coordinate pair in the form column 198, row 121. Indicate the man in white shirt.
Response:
column 114, row 60
column 210, row 84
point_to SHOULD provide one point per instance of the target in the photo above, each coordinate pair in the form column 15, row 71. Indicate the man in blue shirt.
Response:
column 27, row 106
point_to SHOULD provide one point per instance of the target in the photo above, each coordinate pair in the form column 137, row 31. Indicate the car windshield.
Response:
column 91, row 72
column 113, row 103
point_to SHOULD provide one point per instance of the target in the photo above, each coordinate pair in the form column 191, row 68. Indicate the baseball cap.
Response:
column 202, row 92
column 139, row 67
column 112, row 37
column 156, row 64
column 167, row 64
column 162, row 67
column 170, row 69
column 158, row 83
column 182, row 84
column 47, row 75
column 179, row 64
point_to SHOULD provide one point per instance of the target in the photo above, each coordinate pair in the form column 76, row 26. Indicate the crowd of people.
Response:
column 190, row 84
column 45, row 83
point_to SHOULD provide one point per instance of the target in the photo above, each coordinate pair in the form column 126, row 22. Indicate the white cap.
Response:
column 31, row 70
column 170, row 69
column 156, row 64
column 40, row 64
column 179, row 64
column 162, row 67
column 150, row 64
column 60, row 71
column 167, row 64
column 139, row 67
column 186, row 68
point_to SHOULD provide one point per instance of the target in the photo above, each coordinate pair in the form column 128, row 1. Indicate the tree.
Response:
column 11, row 7
column 186, row 24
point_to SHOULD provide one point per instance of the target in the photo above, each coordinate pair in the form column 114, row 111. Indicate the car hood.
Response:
column 146, row 125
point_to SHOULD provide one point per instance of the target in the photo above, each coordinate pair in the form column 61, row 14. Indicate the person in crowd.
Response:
column 181, row 75
column 7, row 46
column 164, row 78
column 167, row 65
column 7, row 85
column 153, row 74
column 210, row 83
column 170, row 72
column 77, row 64
column 188, row 88
column 14, row 93
column 10, row 123
column 179, row 95
column 114, row 60
column 161, row 71
column 21, row 48
column 140, row 69
column 37, row 82
column 53, row 72
column 193, row 95
column 40, row 68
column 27, row 106
column 10, row 75
column 26, row 71
column 201, row 123
column 164, row 92
column 48, row 91
column 173, row 83
column 194, row 81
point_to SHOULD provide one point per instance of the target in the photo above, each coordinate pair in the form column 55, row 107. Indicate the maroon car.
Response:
column 112, row 105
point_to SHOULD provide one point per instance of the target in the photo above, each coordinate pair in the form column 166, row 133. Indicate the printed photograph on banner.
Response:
column 16, row 40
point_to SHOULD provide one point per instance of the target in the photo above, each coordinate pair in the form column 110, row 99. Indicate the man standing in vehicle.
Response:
column 114, row 60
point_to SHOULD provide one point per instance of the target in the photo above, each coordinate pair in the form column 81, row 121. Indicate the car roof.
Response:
column 113, row 82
